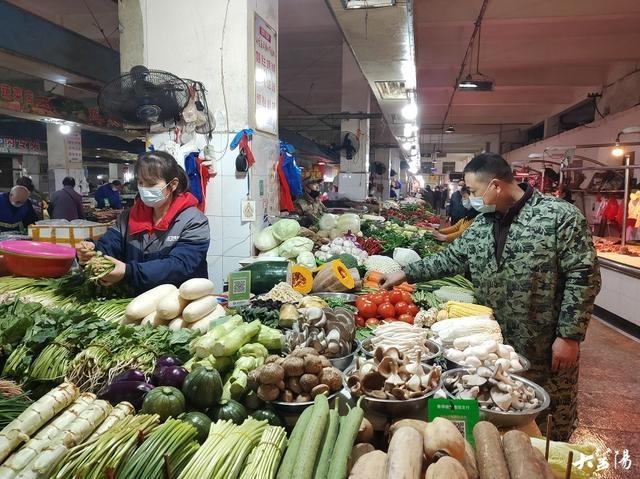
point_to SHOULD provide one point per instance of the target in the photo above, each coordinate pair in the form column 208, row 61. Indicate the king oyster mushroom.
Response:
column 501, row 399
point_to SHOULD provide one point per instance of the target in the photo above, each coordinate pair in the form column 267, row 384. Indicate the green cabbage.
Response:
column 294, row 246
column 285, row 229
column 328, row 221
column 306, row 259
column 405, row 256
column 349, row 222
column 265, row 240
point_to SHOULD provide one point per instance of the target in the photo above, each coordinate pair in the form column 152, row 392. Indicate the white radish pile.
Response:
column 488, row 353
column 191, row 306
column 407, row 338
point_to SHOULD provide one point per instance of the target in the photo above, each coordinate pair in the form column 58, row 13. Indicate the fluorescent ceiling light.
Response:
column 353, row 4
column 450, row 129
column 631, row 129
column 410, row 111
column 535, row 155
column 468, row 83
column 65, row 129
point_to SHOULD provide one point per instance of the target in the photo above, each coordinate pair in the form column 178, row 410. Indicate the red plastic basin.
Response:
column 36, row 259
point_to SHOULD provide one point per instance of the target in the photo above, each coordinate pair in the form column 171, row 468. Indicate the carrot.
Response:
column 409, row 288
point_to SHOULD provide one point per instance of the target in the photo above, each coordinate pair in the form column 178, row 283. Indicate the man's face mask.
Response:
column 479, row 205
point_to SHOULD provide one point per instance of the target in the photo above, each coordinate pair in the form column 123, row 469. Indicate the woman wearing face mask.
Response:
column 448, row 235
column 163, row 238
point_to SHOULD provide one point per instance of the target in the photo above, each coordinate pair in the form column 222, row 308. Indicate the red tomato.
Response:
column 384, row 295
column 395, row 296
column 413, row 309
column 372, row 322
column 406, row 297
column 406, row 318
column 367, row 309
column 386, row 310
column 360, row 322
column 377, row 298
column 402, row 307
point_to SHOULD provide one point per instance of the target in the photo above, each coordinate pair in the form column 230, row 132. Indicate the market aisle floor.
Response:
column 609, row 400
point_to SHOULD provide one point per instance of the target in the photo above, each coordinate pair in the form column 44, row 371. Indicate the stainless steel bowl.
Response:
column 345, row 361
column 346, row 297
column 434, row 350
column 526, row 364
column 396, row 407
column 292, row 408
column 501, row 418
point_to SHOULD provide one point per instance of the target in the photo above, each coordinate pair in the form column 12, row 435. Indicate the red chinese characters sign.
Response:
column 21, row 146
column 266, row 77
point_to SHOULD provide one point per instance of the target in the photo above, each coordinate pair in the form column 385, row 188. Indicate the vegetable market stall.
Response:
column 180, row 386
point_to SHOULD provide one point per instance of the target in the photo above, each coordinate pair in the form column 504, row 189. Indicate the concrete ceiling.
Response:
column 75, row 15
column 544, row 56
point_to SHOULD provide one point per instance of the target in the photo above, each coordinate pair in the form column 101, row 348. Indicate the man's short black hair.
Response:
column 116, row 183
column 69, row 181
column 489, row 166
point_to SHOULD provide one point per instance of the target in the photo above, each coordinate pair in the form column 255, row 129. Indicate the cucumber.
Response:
column 329, row 440
column 289, row 459
column 312, row 439
column 349, row 426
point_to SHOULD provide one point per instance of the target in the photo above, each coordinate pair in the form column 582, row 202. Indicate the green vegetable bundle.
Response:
column 264, row 460
column 54, row 360
column 11, row 408
column 104, row 456
column 168, row 448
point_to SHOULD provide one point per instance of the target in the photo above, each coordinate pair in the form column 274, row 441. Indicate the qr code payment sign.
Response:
column 240, row 286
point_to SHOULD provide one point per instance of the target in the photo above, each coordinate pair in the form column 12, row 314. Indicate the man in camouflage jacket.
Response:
column 540, row 276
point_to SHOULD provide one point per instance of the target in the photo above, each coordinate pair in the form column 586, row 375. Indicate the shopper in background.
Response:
column 531, row 258
column 437, row 199
column 66, row 203
column 16, row 210
column 36, row 198
column 456, row 208
column 108, row 195
column 428, row 196
column 453, row 232
column 163, row 238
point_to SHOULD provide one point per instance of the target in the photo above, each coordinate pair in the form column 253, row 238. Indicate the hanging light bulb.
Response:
column 65, row 129
column 406, row 145
column 617, row 151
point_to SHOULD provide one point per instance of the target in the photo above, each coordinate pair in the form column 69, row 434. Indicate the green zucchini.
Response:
column 349, row 426
column 288, row 461
column 328, row 441
column 312, row 439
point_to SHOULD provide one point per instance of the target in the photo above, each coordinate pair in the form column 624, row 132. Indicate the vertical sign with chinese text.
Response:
column 73, row 143
column 266, row 77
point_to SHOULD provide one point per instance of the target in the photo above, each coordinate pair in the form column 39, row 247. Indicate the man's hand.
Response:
column 116, row 275
column 393, row 279
column 564, row 353
column 85, row 251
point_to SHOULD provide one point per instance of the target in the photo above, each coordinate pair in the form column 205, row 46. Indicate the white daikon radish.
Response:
column 145, row 303
column 20, row 459
column 153, row 320
column 196, row 288
column 35, row 416
column 199, row 308
column 171, row 306
column 202, row 325
column 177, row 323
column 120, row 411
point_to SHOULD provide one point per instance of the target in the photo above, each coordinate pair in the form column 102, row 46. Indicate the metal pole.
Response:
column 625, row 200
column 600, row 168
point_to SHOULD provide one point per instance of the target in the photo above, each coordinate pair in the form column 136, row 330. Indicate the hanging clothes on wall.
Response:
column 245, row 159
column 286, row 202
column 291, row 170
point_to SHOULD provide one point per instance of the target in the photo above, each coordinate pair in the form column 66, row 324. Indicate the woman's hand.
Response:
column 116, row 275
column 85, row 251
column 439, row 236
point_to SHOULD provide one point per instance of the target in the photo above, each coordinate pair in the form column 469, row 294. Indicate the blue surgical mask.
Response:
column 152, row 197
column 466, row 203
column 479, row 205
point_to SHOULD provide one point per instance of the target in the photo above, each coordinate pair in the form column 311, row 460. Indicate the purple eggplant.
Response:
column 172, row 376
column 130, row 391
column 166, row 360
column 130, row 375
